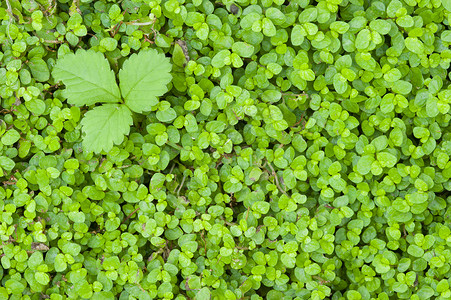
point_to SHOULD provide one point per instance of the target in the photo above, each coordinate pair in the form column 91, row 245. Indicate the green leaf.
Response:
column 268, row 27
column 364, row 164
column 143, row 78
column 261, row 207
column 447, row 4
column 77, row 217
column 219, row 60
column 178, row 56
column 425, row 292
column 386, row 159
column 39, row 69
column 297, row 36
column 446, row 36
column 255, row 173
column 88, row 78
column 401, row 205
column 111, row 263
column 363, row 39
column 340, row 83
column 42, row 278
column 353, row 295
column 10, row 137
column 415, row 45
column 243, row 49
column 215, row 126
column 288, row 260
column 402, row 87
column 15, row 286
column 381, row 26
column 166, row 115
column 415, row 250
column 105, row 126
column 108, row 43
column 276, row 16
column 396, row 136
column 60, row 263
column 6, row 163
column 35, row 260
column 392, row 75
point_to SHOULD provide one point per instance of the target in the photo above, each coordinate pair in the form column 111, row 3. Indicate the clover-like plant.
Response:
column 89, row 80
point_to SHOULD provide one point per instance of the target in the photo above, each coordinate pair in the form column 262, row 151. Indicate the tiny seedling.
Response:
column 89, row 80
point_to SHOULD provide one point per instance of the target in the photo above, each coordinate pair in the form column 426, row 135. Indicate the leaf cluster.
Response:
column 90, row 80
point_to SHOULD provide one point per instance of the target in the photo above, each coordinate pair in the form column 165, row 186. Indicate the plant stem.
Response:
column 128, row 217
column 277, row 179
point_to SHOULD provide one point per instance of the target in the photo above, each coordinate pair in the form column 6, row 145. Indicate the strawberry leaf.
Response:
column 88, row 78
column 143, row 78
column 104, row 126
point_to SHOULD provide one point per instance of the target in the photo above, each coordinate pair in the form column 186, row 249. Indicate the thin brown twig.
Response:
column 117, row 26
column 277, row 179
column 172, row 168
column 294, row 95
column 141, row 24
column 9, row 10
column 12, row 18
column 53, row 42
column 181, row 185
column 247, row 213
column 300, row 120
column 202, row 236
column 128, row 217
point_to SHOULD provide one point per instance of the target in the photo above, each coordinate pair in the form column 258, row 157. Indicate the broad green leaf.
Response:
column 220, row 58
column 106, row 126
column 39, row 69
column 363, row 39
column 297, row 36
column 392, row 75
column 364, row 164
column 166, row 115
column 35, row 260
column 446, row 36
column 243, row 49
column 339, row 26
column 143, row 78
column 42, row 278
column 276, row 16
column 16, row 287
column 414, row 45
column 402, row 87
column 415, row 250
column 340, row 83
column 386, row 159
column 268, row 27
column 426, row 291
column 381, row 26
column 447, row 4
column 6, row 163
column 261, row 207
column 178, row 57
column 88, row 78
column 405, row 21
column 10, row 137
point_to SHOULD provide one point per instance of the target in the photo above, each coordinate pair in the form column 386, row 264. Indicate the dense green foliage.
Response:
column 300, row 151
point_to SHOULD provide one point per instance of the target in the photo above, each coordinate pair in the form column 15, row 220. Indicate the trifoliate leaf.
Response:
column 143, row 78
column 106, row 125
column 88, row 78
